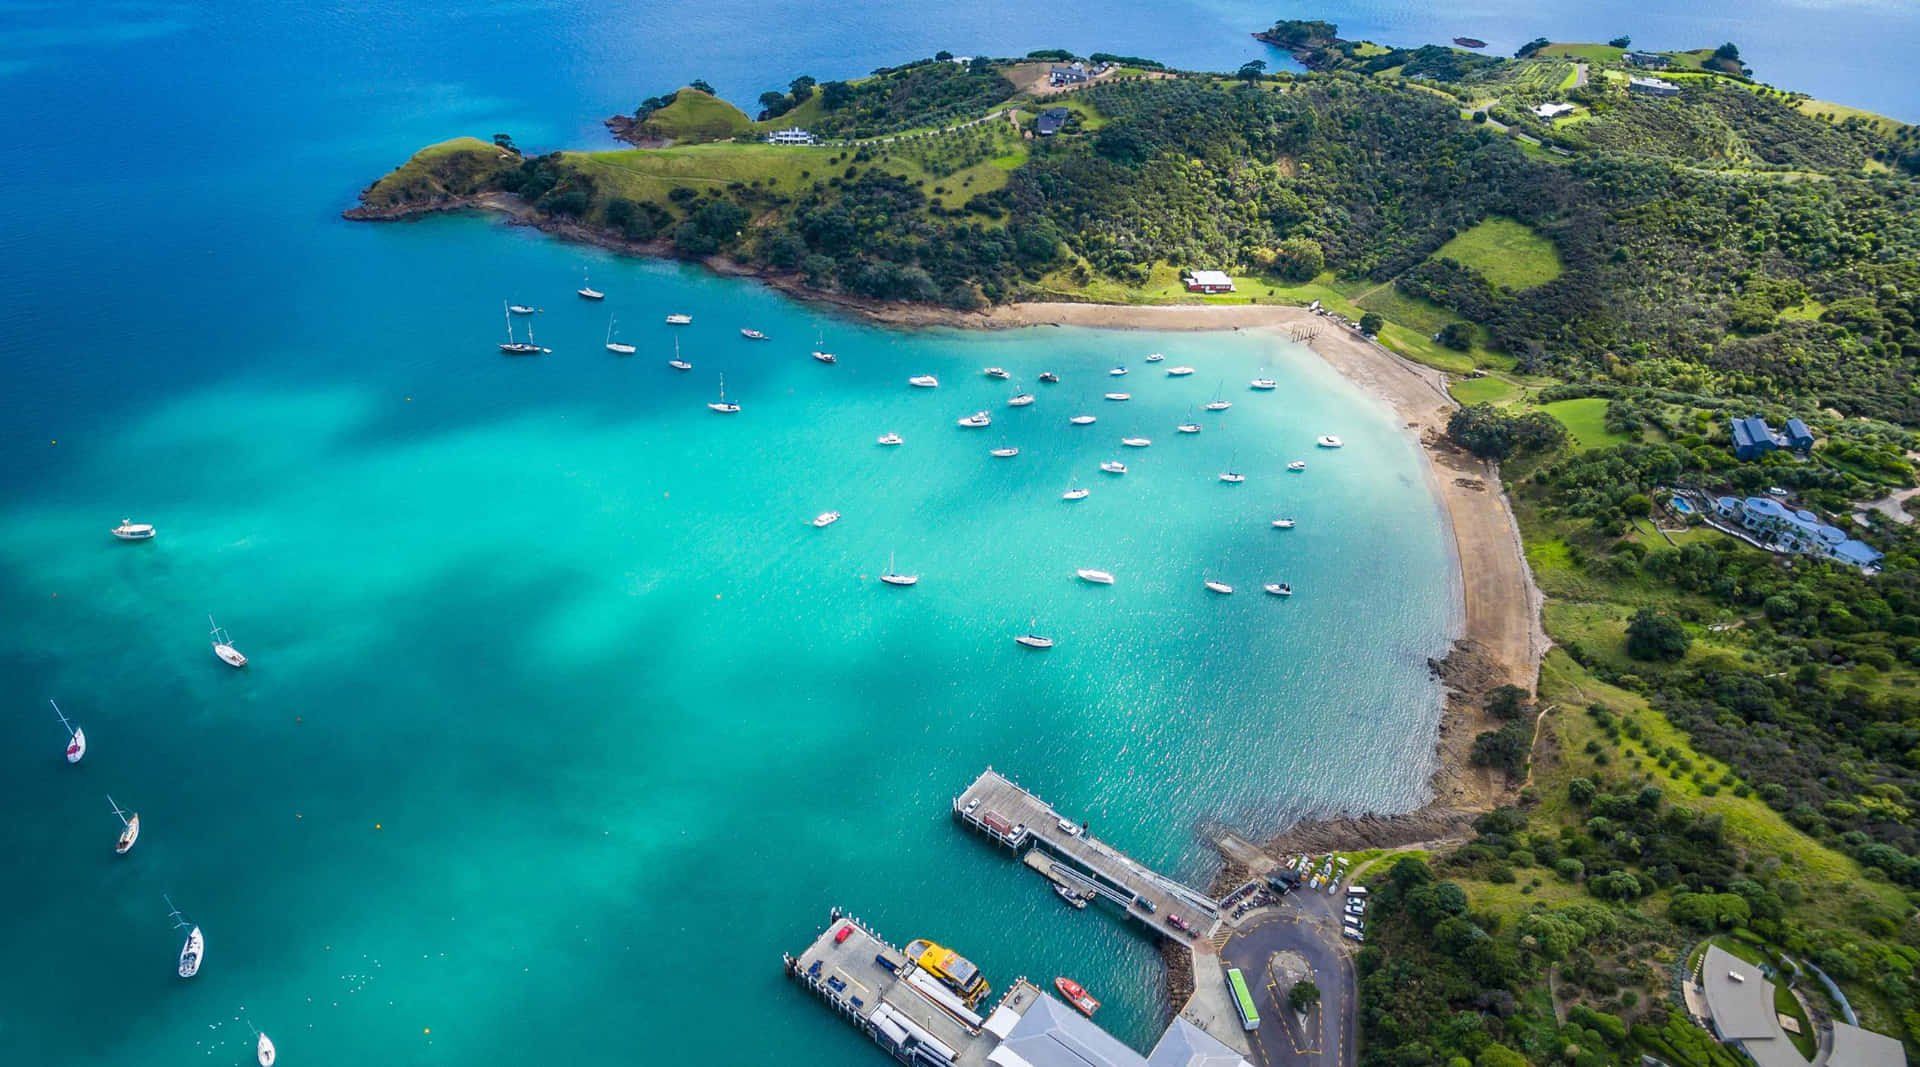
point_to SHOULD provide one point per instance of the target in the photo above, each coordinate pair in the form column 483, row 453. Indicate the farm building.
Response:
column 1207, row 281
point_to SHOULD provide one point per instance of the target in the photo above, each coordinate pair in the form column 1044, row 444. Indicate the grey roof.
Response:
column 1051, row 1034
column 1798, row 429
column 1186, row 1045
column 1854, row 1047
column 1740, row 1009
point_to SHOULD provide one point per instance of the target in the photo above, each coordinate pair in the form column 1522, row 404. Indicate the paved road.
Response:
column 1307, row 923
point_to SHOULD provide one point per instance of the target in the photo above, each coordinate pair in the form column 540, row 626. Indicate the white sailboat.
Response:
column 223, row 646
column 1263, row 382
column 997, row 372
column 129, row 530
column 617, row 347
column 819, row 349
column 1082, row 420
column 1117, row 372
column 1179, row 372
column 1230, row 475
column 129, row 829
column 825, row 519
column 1019, row 400
column 893, row 577
column 676, row 362
column 1033, row 640
column 679, row 320
column 1076, row 492
column 1119, row 396
column 263, row 1049
column 1297, row 465
column 1005, row 451
column 1283, row 524
column 520, row 348
column 587, row 291
column 194, row 951
column 76, row 737
column 1136, row 442
column 721, row 405
column 521, row 309
column 1219, row 403
column 1189, row 426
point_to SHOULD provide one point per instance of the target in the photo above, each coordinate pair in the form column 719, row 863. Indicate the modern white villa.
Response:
column 1784, row 529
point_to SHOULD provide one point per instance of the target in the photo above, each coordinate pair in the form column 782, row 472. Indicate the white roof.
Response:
column 1186, row 1045
column 1209, row 277
column 1854, row 1047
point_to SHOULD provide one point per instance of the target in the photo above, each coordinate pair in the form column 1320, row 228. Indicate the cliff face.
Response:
column 437, row 176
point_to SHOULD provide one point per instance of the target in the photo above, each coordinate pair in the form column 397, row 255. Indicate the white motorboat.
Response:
column 1118, row 372
column 1283, row 524
column 1327, row 440
column 1179, row 372
column 264, row 1051
column 1114, row 466
column 521, row 309
column 1088, row 574
column 129, row 530
column 1264, row 383
column 893, row 577
column 722, row 405
column 129, row 829
column 976, row 420
column 1004, row 452
column 752, row 335
column 1034, row 641
column 1218, row 587
column 924, row 381
column 1119, row 396
column 76, row 737
column 891, row 439
column 1136, row 442
column 618, row 348
column 1076, row 493
column 1279, row 588
column 826, row 518
column 1155, row 357
column 1020, row 400
column 514, row 347
column 587, row 291
column 194, row 951
column 1081, row 420
column 223, row 646
column 1297, row 465
column 997, row 372
column 1188, row 427
column 679, row 320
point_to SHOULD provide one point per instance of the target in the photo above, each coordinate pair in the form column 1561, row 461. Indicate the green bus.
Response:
column 1243, row 999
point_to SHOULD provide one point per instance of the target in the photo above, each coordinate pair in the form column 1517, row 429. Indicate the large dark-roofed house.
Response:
column 1051, row 121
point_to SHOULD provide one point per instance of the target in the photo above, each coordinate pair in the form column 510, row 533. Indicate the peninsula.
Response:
column 1658, row 325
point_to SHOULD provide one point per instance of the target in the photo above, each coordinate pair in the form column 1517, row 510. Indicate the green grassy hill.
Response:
column 1506, row 253
column 695, row 117
column 459, row 167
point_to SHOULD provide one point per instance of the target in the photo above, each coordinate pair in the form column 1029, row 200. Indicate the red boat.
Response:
column 1077, row 996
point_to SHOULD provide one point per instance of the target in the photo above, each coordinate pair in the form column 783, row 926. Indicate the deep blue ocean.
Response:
column 562, row 723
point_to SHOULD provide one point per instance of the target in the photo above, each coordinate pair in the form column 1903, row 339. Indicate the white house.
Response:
column 1553, row 111
column 792, row 135
column 1207, row 281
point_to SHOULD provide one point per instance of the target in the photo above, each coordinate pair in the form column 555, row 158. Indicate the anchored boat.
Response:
column 129, row 530
column 194, row 951
column 129, row 829
column 1077, row 996
column 223, row 646
column 76, row 737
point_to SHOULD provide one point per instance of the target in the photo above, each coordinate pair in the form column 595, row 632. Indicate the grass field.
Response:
column 1841, row 112
column 1488, row 390
column 1586, row 420
column 1586, row 51
column 694, row 117
column 1506, row 253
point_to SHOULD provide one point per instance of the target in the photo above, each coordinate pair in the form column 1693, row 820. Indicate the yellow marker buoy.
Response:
column 426, row 1029
column 376, row 826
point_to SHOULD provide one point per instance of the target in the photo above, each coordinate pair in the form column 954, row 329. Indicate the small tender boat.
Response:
column 1070, row 896
column 1297, row 465
column 924, row 381
column 1136, row 442
column 521, row 309
column 1088, row 574
column 1283, row 524
column 1081, row 420
column 129, row 530
column 1049, row 377
column 1179, row 372
column 1004, row 452
column 891, row 439
column 679, row 320
column 976, row 420
column 129, row 829
column 1155, row 357
column 1280, row 589
column 1119, row 396
column 1076, row 493
column 194, row 951
column 826, row 518
column 676, row 362
column 752, row 335
column 1188, row 427
column 1218, row 587
column 223, row 646
column 1114, row 466
column 587, row 291
column 618, row 348
column 997, row 372
column 893, row 577
column 1264, row 383
column 1020, row 400
column 76, row 738
column 722, row 406
column 1034, row 641
column 1077, row 996
column 264, row 1051
column 1327, row 440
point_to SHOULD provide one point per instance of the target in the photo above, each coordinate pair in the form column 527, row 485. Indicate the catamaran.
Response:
column 520, row 348
column 129, row 829
column 223, row 646
column 617, row 347
column 194, row 951
column 893, row 577
column 76, row 737
column 587, row 291
column 721, row 405
column 676, row 362
column 129, row 530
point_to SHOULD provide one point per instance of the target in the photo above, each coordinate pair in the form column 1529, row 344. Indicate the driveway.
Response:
column 1307, row 925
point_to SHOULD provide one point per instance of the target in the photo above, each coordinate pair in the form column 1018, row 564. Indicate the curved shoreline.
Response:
column 1501, row 640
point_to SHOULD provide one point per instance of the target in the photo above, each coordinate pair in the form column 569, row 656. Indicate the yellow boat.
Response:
column 950, row 967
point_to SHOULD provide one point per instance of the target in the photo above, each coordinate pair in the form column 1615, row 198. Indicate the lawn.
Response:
column 1506, row 253
column 1487, row 390
column 1585, row 51
column 1586, row 420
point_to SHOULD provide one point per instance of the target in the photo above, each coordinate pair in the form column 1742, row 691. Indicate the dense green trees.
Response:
column 1494, row 433
column 1654, row 634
